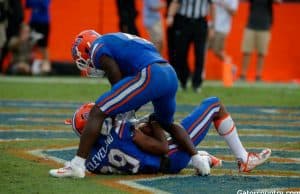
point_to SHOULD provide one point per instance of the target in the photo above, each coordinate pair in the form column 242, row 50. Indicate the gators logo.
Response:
column 75, row 51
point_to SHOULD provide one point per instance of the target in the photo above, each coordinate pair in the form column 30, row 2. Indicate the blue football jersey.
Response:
column 130, row 52
column 116, row 153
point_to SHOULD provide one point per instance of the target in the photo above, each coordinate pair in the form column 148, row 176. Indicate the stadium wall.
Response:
column 70, row 17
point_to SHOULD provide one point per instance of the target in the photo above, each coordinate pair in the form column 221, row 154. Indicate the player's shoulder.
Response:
column 108, row 39
column 112, row 35
column 123, row 129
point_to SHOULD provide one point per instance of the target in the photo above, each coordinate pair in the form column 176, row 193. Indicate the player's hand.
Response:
column 138, row 135
column 170, row 21
column 201, row 164
column 155, row 124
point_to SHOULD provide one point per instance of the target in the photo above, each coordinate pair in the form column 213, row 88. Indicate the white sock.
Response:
column 226, row 128
column 78, row 161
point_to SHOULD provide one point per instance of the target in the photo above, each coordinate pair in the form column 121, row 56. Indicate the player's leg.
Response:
column 247, row 48
column 227, row 129
column 128, row 94
column 198, row 123
column 182, row 41
column 263, row 39
column 199, row 38
column 164, row 109
column 132, row 92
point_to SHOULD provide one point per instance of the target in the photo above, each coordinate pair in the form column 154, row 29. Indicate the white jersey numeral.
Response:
column 120, row 159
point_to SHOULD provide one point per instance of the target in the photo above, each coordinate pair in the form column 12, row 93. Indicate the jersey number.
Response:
column 120, row 159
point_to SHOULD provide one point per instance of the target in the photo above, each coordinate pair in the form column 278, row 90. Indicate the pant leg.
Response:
column 197, row 125
column 199, row 121
column 171, row 47
column 182, row 42
column 199, row 37
column 132, row 92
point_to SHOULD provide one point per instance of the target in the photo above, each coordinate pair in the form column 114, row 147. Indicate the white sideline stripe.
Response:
column 46, row 156
column 38, row 152
column 10, row 140
column 134, row 184
column 78, row 80
column 29, row 139
column 64, row 80
column 248, row 148
column 209, row 134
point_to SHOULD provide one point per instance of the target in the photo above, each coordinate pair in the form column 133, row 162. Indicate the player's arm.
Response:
column 111, row 69
column 156, row 143
column 229, row 8
column 91, row 131
column 174, row 6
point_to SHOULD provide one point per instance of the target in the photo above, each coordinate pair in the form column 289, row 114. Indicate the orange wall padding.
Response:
column 69, row 17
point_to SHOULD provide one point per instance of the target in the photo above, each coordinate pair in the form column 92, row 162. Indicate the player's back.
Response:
column 117, row 152
column 131, row 53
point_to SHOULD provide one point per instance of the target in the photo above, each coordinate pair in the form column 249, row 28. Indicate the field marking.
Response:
column 40, row 153
column 134, row 184
column 80, row 80
column 60, row 161
column 131, row 183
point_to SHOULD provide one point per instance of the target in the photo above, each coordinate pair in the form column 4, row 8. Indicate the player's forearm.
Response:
column 158, row 132
column 212, row 13
column 91, row 132
column 229, row 9
column 111, row 69
column 183, row 139
column 88, row 138
column 153, row 141
column 153, row 146
column 174, row 6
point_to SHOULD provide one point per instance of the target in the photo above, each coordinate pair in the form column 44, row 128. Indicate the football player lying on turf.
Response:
column 129, row 149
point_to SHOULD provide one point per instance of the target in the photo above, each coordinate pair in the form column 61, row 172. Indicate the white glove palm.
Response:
column 201, row 163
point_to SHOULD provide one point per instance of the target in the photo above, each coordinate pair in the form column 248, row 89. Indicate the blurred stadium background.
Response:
column 69, row 17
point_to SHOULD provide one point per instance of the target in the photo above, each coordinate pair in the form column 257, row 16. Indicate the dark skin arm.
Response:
column 155, row 143
column 182, row 139
column 180, row 135
column 222, row 113
column 96, row 117
column 111, row 69
column 91, row 132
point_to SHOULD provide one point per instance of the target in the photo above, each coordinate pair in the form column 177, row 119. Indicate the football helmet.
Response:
column 80, row 118
column 81, row 52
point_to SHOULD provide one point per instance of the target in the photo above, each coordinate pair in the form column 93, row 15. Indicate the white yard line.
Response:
column 86, row 80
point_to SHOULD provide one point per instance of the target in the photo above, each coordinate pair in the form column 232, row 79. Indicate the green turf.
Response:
column 84, row 90
column 29, row 176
